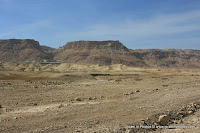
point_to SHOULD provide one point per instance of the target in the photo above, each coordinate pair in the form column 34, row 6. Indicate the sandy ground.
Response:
column 95, row 101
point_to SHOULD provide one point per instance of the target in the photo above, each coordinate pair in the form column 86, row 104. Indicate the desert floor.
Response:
column 97, row 101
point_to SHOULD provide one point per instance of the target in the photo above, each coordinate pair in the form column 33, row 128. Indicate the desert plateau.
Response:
column 76, row 88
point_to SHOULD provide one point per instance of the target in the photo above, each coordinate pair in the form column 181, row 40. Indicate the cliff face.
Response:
column 97, row 52
column 18, row 50
column 169, row 58
column 114, row 45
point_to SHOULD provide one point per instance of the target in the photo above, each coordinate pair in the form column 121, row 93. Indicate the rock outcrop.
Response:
column 169, row 58
column 18, row 50
column 97, row 52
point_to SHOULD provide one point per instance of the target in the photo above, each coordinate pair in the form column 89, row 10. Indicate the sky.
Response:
column 138, row 24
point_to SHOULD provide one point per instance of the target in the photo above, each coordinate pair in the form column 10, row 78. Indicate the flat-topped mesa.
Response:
column 20, row 50
column 97, row 52
column 115, row 45
column 18, row 44
column 18, row 41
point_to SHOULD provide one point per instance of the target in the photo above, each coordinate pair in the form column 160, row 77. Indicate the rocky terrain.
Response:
column 98, row 52
column 47, row 49
column 97, row 86
column 93, row 98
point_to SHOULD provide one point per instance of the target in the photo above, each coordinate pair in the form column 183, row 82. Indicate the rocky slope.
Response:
column 48, row 49
column 169, row 58
column 97, row 52
column 18, row 50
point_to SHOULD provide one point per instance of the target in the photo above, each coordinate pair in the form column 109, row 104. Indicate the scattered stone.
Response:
column 190, row 112
column 35, row 104
column 102, row 97
column 163, row 120
column 181, row 121
column 35, row 86
column 60, row 106
column 165, row 85
column 94, row 98
column 137, row 91
column 89, row 98
column 15, row 117
column 175, row 122
column 78, row 99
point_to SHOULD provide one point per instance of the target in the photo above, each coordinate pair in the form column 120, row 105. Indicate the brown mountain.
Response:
column 169, row 58
column 48, row 49
column 97, row 52
column 18, row 50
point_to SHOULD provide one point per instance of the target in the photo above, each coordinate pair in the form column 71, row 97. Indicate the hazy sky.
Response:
column 136, row 23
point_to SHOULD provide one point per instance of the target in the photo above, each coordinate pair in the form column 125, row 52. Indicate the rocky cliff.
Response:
column 18, row 50
column 169, row 58
column 97, row 52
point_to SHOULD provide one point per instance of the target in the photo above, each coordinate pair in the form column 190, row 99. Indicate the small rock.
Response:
column 165, row 85
column 163, row 120
column 94, row 98
column 77, row 99
column 181, row 121
column 155, row 90
column 60, row 106
column 190, row 112
column 137, row 91
column 89, row 98
column 175, row 122
column 15, row 117
column 102, row 97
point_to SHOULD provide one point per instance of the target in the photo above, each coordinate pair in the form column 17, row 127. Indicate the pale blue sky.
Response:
column 136, row 23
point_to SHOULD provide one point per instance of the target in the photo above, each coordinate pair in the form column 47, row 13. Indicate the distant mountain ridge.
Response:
column 98, row 52
column 187, row 58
